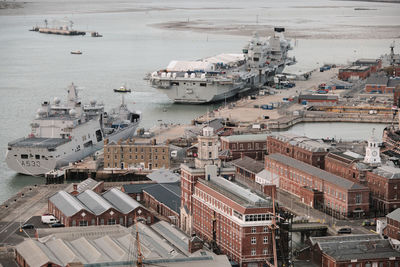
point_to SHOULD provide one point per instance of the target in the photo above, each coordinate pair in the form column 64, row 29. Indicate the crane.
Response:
column 273, row 228
column 139, row 260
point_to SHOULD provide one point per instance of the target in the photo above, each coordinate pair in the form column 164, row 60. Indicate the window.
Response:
column 265, row 229
column 265, row 251
column 83, row 223
column 253, row 240
column 253, row 230
column 265, row 239
column 253, row 252
column 102, row 221
column 24, row 156
column 111, row 221
column 73, row 223
column 210, row 155
column 358, row 198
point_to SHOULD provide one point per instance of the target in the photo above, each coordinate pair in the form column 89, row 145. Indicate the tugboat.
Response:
column 122, row 89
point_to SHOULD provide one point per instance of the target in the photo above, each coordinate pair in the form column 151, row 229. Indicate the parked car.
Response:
column 56, row 225
column 345, row 230
column 27, row 226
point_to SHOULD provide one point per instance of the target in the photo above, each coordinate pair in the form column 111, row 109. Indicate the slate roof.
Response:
column 302, row 141
column 94, row 202
column 388, row 172
column 67, row 203
column 324, row 175
column 249, row 164
column 164, row 176
column 246, row 138
column 393, row 82
column 168, row 194
column 394, row 215
column 121, row 201
column 136, row 188
column 89, row 183
column 361, row 249
column 377, row 79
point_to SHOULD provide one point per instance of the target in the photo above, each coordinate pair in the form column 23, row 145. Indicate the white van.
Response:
column 49, row 219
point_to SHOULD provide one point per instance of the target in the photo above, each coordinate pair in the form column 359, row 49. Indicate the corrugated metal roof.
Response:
column 94, row 202
column 324, row 175
column 66, row 203
column 121, row 201
column 36, row 254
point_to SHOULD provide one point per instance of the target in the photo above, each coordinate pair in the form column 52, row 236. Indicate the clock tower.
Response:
column 372, row 155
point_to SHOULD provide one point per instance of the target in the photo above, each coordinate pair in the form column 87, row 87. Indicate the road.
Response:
column 31, row 201
column 293, row 204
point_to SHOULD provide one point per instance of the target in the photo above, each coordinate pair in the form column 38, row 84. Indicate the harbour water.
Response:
column 36, row 67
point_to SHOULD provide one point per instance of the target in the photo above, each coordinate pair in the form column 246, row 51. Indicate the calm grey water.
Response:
column 36, row 67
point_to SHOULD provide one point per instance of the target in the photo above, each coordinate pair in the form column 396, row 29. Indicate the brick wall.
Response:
column 253, row 149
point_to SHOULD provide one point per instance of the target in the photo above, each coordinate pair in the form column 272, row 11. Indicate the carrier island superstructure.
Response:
column 225, row 75
column 67, row 132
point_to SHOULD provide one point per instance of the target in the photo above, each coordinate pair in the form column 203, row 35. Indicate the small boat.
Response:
column 122, row 89
column 77, row 52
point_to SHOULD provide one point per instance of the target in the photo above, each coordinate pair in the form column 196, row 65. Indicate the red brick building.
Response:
column 247, row 168
column 135, row 190
column 354, row 72
column 250, row 145
column 374, row 64
column 298, row 147
column 251, row 173
column 382, row 84
column 207, row 164
column 340, row 196
column 392, row 229
column 353, row 251
column 384, row 183
column 347, row 165
column 89, row 208
column 234, row 219
column 165, row 199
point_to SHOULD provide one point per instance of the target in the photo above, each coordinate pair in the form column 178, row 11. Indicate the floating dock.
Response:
column 61, row 31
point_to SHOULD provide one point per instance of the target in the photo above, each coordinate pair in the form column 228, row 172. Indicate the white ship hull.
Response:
column 200, row 95
column 62, row 156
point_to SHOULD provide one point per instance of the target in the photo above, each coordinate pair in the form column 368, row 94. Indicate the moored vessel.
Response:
column 67, row 132
column 223, row 76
